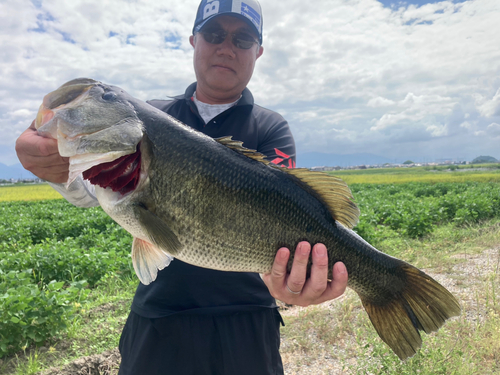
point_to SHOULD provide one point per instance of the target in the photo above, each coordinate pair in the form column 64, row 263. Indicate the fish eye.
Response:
column 109, row 95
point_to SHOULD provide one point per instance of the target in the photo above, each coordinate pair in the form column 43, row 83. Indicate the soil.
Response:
column 106, row 363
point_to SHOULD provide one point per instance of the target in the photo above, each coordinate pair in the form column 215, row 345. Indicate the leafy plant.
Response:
column 31, row 315
column 414, row 209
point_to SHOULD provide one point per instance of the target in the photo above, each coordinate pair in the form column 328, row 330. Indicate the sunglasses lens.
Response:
column 243, row 41
column 214, row 37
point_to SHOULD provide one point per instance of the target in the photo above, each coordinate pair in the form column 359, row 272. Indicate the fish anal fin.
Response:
column 422, row 305
column 158, row 231
column 147, row 259
column 332, row 191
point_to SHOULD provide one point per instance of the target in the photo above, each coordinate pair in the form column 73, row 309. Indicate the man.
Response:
column 193, row 320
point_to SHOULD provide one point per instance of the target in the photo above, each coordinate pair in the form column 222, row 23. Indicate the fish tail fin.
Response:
column 147, row 259
column 422, row 305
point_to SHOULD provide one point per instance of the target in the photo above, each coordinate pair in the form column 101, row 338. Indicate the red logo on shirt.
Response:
column 285, row 159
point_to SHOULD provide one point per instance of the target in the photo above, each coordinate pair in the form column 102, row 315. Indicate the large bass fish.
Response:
column 213, row 203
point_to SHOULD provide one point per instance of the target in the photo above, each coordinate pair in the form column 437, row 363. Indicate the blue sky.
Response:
column 412, row 80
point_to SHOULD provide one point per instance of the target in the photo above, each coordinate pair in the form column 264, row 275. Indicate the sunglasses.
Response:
column 240, row 40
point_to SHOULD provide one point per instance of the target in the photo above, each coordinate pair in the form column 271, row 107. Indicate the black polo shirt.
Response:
column 181, row 287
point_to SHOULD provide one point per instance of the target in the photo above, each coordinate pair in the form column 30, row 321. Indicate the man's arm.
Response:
column 40, row 156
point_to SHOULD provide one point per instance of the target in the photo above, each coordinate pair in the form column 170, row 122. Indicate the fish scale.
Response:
column 215, row 204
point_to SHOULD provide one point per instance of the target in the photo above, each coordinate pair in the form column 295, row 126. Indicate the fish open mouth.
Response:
column 121, row 175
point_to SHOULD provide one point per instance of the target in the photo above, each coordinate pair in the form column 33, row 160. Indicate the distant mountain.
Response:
column 319, row 159
column 15, row 171
column 484, row 159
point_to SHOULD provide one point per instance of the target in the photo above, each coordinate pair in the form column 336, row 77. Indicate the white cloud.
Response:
column 490, row 108
column 428, row 75
column 417, row 109
column 438, row 130
column 493, row 130
column 380, row 102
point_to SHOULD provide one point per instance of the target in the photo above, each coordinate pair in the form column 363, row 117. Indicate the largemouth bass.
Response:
column 215, row 204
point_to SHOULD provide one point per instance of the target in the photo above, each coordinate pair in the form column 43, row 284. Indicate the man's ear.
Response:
column 260, row 51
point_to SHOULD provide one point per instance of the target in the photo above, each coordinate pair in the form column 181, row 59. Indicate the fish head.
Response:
column 97, row 128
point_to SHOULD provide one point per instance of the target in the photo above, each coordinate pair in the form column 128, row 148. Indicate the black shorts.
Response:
column 243, row 343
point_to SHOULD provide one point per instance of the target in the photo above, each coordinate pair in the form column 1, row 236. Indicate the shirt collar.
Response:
column 246, row 95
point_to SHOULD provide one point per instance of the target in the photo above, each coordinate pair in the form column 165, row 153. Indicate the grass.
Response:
column 99, row 323
column 96, row 328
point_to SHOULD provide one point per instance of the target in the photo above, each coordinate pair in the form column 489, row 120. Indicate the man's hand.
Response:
column 294, row 288
column 41, row 157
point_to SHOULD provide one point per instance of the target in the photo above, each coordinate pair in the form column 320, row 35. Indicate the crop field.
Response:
column 28, row 193
column 465, row 173
column 66, row 279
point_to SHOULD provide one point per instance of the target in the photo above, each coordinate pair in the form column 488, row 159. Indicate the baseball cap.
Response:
column 248, row 10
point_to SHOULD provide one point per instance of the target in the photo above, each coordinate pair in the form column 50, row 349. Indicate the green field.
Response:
column 66, row 280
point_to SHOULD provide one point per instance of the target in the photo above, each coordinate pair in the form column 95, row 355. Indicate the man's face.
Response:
column 223, row 70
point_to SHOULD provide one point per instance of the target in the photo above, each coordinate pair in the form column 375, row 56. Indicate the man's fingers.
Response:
column 338, row 284
column 52, row 173
column 280, row 263
column 275, row 280
column 317, row 283
column 297, row 278
column 53, row 176
column 41, row 157
column 293, row 288
column 51, row 161
column 332, row 289
column 31, row 143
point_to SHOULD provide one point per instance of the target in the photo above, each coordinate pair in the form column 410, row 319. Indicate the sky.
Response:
column 401, row 79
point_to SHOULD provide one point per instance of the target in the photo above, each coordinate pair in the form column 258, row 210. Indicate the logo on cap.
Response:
column 210, row 9
column 251, row 14
column 248, row 9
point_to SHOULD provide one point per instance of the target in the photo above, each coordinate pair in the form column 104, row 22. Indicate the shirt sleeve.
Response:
column 278, row 144
column 80, row 193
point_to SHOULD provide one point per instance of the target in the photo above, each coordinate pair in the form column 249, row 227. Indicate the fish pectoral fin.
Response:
column 147, row 260
column 423, row 304
column 158, row 231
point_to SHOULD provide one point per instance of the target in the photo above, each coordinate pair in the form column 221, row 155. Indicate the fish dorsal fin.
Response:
column 238, row 147
column 330, row 190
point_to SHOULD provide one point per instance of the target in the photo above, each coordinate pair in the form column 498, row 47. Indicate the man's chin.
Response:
column 225, row 85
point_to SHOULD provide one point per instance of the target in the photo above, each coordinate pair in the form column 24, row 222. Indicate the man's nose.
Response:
column 227, row 47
